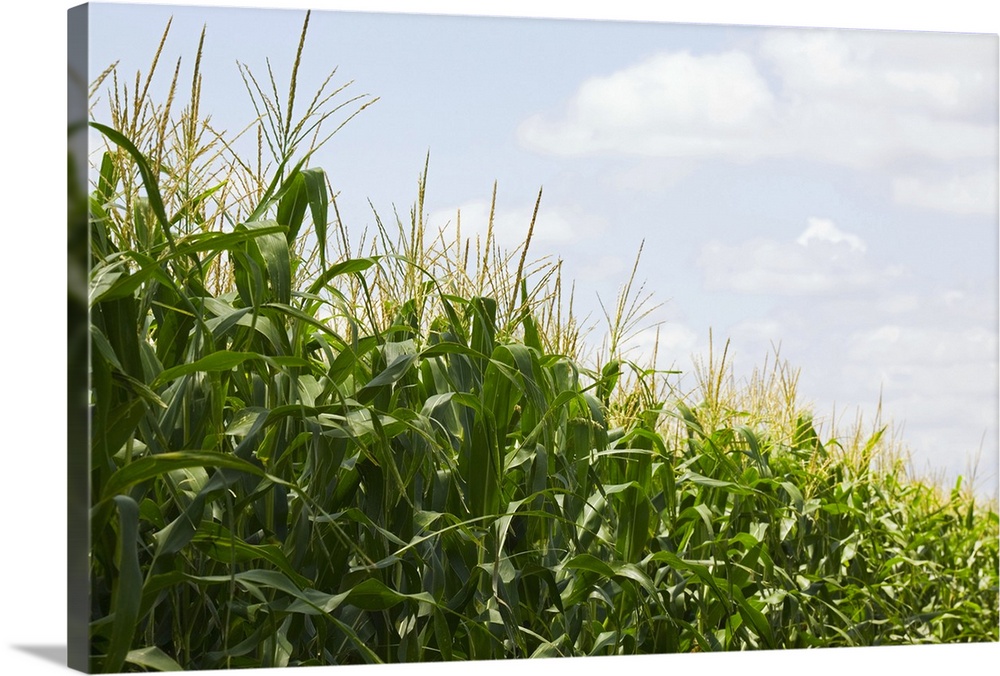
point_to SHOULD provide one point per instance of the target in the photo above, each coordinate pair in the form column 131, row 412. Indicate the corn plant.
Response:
column 310, row 448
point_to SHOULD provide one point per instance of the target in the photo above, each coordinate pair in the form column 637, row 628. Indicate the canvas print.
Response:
column 410, row 338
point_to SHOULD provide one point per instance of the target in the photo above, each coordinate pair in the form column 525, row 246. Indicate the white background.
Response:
column 33, row 527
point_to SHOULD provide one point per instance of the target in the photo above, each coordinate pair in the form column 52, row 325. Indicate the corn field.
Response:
column 314, row 446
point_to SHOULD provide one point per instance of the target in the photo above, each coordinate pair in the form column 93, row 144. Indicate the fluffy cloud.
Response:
column 821, row 230
column 864, row 335
column 856, row 98
column 916, row 113
column 941, row 75
column 931, row 367
column 672, row 104
column 936, row 372
column 820, row 261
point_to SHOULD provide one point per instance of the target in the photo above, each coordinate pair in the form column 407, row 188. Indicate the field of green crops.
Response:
column 313, row 445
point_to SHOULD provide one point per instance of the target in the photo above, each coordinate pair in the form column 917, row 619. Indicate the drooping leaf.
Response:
column 127, row 591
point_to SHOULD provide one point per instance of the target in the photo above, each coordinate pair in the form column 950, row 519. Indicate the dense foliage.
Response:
column 310, row 452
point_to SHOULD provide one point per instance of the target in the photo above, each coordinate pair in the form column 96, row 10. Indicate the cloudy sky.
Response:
column 830, row 192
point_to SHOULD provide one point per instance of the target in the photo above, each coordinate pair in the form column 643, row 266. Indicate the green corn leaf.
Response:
column 754, row 618
column 315, row 189
column 371, row 594
column 399, row 367
column 484, row 469
column 617, row 570
column 700, row 570
column 702, row 480
column 347, row 267
column 634, row 512
column 217, row 242
column 222, row 360
column 152, row 657
column 128, row 588
column 105, row 288
column 108, row 179
column 590, row 563
column 292, row 206
column 148, row 467
column 221, row 545
column 274, row 252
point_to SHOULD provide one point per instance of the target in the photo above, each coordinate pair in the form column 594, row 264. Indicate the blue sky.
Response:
column 831, row 191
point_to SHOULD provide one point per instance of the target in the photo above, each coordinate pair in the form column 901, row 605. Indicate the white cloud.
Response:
column 859, row 99
column 931, row 366
column 933, row 363
column 822, row 230
column 917, row 112
column 822, row 260
column 938, row 377
column 927, row 357
column 672, row 104
column 965, row 194
column 865, row 336
column 939, row 74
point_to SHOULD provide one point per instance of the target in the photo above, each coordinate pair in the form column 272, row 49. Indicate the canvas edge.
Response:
column 77, row 427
